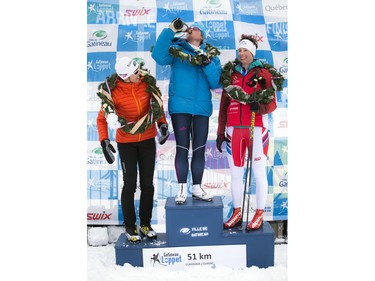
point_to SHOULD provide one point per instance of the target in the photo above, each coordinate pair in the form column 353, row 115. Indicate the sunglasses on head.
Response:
column 124, row 76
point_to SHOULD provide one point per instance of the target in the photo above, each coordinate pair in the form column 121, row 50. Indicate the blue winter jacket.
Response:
column 189, row 86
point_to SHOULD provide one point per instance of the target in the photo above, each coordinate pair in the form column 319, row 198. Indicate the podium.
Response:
column 193, row 230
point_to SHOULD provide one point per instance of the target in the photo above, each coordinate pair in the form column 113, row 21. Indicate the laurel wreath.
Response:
column 262, row 96
column 156, row 103
column 197, row 59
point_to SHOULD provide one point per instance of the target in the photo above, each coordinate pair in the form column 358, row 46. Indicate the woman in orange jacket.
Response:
column 132, row 108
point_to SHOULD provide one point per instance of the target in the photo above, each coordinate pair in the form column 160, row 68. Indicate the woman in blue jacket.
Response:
column 195, row 69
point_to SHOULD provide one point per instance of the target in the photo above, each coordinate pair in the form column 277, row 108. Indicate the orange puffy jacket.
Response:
column 131, row 102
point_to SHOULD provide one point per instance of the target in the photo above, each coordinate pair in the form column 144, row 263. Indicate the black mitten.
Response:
column 262, row 82
column 108, row 151
column 219, row 141
column 164, row 133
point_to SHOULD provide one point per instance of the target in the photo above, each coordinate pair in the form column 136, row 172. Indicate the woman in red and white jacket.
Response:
column 235, row 129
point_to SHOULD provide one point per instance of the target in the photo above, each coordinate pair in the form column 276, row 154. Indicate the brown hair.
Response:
column 252, row 38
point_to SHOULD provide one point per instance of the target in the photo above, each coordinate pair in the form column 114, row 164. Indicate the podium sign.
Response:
column 180, row 258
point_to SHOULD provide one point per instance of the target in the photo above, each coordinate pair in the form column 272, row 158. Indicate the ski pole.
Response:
column 245, row 185
column 250, row 151
column 250, row 154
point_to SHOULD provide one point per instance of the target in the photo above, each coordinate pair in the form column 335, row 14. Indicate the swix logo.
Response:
column 98, row 216
column 258, row 38
column 142, row 12
column 283, row 124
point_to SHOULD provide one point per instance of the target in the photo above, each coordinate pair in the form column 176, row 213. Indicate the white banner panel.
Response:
column 181, row 258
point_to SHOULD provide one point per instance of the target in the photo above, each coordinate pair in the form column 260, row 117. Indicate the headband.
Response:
column 247, row 44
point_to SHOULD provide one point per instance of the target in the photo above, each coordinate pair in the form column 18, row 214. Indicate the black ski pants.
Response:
column 137, row 156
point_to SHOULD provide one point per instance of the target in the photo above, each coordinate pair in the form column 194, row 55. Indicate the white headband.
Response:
column 247, row 44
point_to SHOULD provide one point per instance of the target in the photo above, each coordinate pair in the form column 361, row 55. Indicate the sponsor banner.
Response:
column 281, row 63
column 212, row 9
column 280, row 122
column 182, row 258
column 102, row 214
column 259, row 31
column 163, row 72
column 275, row 10
column 101, row 38
column 93, row 101
column 265, row 56
column 135, row 38
column 102, row 12
column 220, row 34
column 280, row 206
column 248, row 11
column 277, row 33
column 100, row 66
column 134, row 12
column 130, row 28
column 282, row 96
column 169, row 10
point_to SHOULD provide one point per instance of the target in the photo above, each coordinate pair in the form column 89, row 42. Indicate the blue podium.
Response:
column 191, row 229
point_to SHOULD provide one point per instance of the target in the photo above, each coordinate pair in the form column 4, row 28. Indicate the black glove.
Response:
column 254, row 106
column 205, row 59
column 255, row 79
column 107, row 150
column 164, row 133
column 262, row 82
column 219, row 140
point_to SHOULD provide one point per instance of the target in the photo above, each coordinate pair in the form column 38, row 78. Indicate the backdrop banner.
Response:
column 116, row 28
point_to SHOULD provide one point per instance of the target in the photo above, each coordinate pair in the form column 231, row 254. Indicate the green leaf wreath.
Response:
column 262, row 96
column 197, row 59
column 156, row 104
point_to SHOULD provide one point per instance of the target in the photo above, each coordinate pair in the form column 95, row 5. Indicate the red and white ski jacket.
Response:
column 234, row 113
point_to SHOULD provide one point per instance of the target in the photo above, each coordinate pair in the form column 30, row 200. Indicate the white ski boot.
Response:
column 199, row 193
column 181, row 193
column 132, row 235
column 147, row 230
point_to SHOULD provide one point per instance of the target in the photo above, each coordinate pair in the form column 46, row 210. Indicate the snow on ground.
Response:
column 101, row 266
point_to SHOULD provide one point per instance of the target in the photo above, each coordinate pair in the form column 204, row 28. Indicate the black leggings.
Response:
column 141, row 155
column 184, row 127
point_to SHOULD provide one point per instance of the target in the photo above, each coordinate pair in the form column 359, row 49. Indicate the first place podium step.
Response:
column 194, row 223
column 195, row 236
